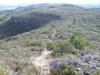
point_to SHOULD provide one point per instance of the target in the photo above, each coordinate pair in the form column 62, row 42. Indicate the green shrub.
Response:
column 28, row 43
column 36, row 43
column 2, row 72
column 72, row 38
column 96, row 73
column 51, row 45
column 64, row 47
column 11, row 38
column 53, row 26
column 78, row 41
column 70, row 71
column 99, row 59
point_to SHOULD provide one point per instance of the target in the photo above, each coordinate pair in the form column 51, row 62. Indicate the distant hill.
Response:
column 23, row 7
column 31, row 7
column 60, row 16
column 25, row 22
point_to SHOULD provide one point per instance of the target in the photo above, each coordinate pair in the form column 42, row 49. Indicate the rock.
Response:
column 72, row 62
column 32, row 49
column 61, row 36
column 86, row 73
column 88, row 61
column 82, row 54
column 15, row 21
column 56, row 64
column 78, row 69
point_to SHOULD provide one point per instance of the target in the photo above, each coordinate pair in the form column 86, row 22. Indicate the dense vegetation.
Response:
column 78, row 41
column 67, row 47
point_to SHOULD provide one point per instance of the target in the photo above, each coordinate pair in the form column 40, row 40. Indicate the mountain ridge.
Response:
column 25, row 6
column 27, row 20
column 24, row 35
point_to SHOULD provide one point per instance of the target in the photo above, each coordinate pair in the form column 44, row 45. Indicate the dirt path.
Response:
column 42, row 62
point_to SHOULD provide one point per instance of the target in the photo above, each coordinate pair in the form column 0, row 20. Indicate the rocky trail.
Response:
column 42, row 61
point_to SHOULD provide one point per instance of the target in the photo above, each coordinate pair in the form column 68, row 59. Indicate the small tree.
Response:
column 78, row 41
column 64, row 47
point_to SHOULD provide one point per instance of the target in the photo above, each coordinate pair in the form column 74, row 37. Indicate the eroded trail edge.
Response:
column 42, row 62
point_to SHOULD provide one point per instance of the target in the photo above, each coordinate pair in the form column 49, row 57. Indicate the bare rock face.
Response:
column 19, row 21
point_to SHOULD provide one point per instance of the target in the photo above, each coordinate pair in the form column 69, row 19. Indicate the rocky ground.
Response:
column 42, row 62
column 88, row 63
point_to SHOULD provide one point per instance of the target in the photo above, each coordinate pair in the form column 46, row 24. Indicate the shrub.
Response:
column 36, row 43
column 53, row 26
column 78, row 41
column 11, row 38
column 96, row 73
column 64, row 47
column 24, row 67
column 70, row 71
column 72, row 38
column 28, row 42
column 2, row 72
column 51, row 45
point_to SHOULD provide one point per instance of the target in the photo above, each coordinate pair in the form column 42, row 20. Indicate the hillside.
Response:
column 24, row 35
column 85, row 21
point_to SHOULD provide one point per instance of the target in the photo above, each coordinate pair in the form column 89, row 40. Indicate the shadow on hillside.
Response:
column 17, row 25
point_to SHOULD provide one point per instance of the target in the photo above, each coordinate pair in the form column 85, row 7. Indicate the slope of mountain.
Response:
column 31, row 7
column 25, row 23
column 70, row 14
column 25, row 34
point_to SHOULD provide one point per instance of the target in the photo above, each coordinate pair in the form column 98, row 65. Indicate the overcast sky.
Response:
column 13, row 2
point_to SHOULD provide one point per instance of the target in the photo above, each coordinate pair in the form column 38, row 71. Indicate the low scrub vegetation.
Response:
column 36, row 43
column 51, row 45
column 78, row 41
column 70, row 70
column 68, row 46
column 2, row 72
column 62, row 47
column 96, row 73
